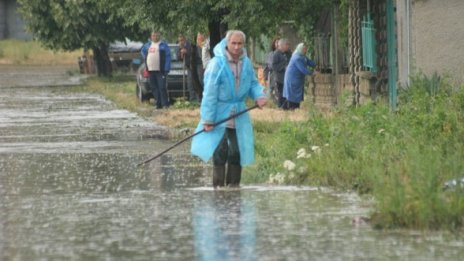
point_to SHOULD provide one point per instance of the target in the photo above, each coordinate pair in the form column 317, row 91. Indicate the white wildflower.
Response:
column 301, row 153
column 291, row 176
column 271, row 179
column 327, row 144
column 381, row 131
column 301, row 170
column 289, row 165
column 316, row 149
column 277, row 178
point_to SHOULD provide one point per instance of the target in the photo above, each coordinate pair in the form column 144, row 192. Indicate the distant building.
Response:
column 387, row 42
column 11, row 23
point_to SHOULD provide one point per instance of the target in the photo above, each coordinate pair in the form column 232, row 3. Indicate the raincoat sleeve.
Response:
column 210, row 92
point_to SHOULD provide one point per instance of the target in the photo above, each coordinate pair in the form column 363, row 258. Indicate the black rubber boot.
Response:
column 219, row 173
column 234, row 174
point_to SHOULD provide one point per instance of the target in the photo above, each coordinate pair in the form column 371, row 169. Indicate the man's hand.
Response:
column 208, row 127
column 261, row 102
column 183, row 52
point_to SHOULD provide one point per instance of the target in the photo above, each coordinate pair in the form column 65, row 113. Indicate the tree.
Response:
column 93, row 24
column 74, row 24
column 254, row 17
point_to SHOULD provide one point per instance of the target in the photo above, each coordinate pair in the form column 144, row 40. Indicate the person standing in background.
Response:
column 197, row 64
column 280, row 61
column 295, row 77
column 157, row 56
column 205, row 53
column 185, row 53
column 268, row 65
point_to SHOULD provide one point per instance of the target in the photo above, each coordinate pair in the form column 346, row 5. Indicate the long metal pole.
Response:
column 191, row 136
column 183, row 77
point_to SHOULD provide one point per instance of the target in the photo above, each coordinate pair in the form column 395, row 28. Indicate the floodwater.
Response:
column 70, row 189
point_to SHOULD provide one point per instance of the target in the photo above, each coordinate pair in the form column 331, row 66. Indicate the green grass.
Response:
column 402, row 157
column 20, row 52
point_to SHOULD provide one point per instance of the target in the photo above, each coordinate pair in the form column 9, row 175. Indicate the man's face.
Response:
column 284, row 47
column 155, row 37
column 235, row 45
column 287, row 47
column 181, row 40
column 200, row 39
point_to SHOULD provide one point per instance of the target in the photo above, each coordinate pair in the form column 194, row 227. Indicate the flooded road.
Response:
column 70, row 189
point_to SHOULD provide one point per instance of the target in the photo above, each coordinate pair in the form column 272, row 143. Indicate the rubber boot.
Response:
column 219, row 172
column 234, row 174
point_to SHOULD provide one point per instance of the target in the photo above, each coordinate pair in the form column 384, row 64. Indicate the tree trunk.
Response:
column 217, row 30
column 102, row 61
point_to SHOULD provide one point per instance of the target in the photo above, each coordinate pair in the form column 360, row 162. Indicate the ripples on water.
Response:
column 70, row 189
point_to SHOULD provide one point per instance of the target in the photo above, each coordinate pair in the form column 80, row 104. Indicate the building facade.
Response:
column 388, row 42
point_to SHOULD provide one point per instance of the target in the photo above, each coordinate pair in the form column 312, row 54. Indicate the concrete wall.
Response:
column 437, row 37
column 2, row 19
column 11, row 23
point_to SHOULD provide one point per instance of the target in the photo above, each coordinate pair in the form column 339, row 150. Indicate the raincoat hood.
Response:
column 220, row 49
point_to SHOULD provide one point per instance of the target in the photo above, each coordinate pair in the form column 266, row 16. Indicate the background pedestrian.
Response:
column 295, row 77
column 280, row 61
column 157, row 56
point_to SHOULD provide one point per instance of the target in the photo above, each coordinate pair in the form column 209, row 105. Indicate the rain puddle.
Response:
column 71, row 189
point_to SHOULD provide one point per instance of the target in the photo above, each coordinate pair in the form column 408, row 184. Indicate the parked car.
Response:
column 123, row 54
column 176, row 80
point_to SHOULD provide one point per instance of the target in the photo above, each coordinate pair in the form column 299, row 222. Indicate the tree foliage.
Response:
column 93, row 24
column 73, row 24
column 254, row 17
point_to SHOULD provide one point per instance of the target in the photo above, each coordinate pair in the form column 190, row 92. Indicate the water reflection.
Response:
column 225, row 227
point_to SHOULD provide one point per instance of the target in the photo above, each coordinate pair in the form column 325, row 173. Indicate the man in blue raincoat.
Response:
column 229, row 79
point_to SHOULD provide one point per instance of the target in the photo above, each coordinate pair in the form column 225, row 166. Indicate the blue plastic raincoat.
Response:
column 295, row 77
column 220, row 99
